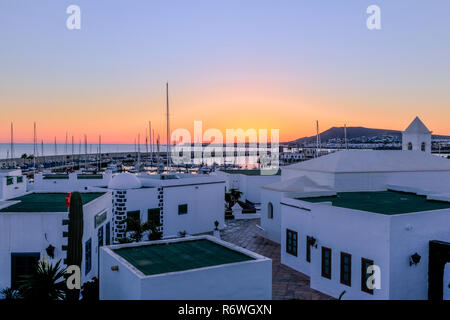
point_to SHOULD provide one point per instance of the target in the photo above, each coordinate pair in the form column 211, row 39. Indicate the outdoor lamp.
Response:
column 414, row 259
column 50, row 251
column 313, row 242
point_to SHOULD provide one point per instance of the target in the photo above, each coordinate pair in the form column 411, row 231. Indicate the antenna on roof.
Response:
column 12, row 141
column 34, row 145
column 345, row 136
column 168, row 127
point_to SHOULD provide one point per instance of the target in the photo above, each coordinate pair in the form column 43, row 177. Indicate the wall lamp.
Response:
column 313, row 242
column 414, row 259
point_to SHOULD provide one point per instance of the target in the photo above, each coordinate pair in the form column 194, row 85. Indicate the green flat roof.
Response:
column 46, row 202
column 179, row 256
column 252, row 172
column 384, row 202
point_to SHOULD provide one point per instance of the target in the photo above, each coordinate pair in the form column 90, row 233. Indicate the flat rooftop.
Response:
column 248, row 172
column 384, row 202
column 179, row 256
column 46, row 202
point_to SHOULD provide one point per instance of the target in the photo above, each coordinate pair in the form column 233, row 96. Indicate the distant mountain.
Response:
column 357, row 133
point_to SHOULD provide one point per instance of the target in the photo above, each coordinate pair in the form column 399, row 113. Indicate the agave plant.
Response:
column 45, row 283
column 10, row 294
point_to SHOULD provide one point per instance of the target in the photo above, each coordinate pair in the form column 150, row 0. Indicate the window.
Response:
column 409, row 146
column 154, row 216
column 88, row 256
column 135, row 215
column 346, row 269
column 423, row 146
column 22, row 264
column 326, row 262
column 365, row 264
column 270, row 210
column 9, row 181
column 291, row 242
column 182, row 209
column 308, row 248
column 108, row 233
column 100, row 236
column 19, row 179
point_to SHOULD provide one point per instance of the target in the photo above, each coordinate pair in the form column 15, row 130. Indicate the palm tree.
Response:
column 45, row 283
column 137, row 229
column 155, row 234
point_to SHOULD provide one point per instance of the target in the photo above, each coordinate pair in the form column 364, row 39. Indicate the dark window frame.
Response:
column 324, row 273
column 88, row 256
column 152, row 213
column 308, row 249
column 270, row 211
column 15, row 277
column 347, row 282
column 365, row 263
column 291, row 248
column 108, row 233
column 181, row 210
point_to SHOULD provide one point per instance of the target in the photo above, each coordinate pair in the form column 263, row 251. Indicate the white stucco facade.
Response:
column 249, row 184
column 12, row 183
column 247, row 280
column 33, row 232
column 201, row 196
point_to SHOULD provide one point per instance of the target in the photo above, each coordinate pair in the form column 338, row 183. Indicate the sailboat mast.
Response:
column 151, row 143
column 12, row 141
column 168, row 127
column 34, row 145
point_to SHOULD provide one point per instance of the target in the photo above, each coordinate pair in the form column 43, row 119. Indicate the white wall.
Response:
column 272, row 227
column 248, row 280
column 22, row 232
column 90, row 210
column 15, row 189
column 68, row 185
column 27, row 233
column 446, row 284
column 300, row 221
column 361, row 234
column 249, row 185
column 205, row 206
column 416, row 140
column 411, row 233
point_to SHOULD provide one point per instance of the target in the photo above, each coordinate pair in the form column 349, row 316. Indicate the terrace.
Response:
column 46, row 202
column 179, row 256
column 383, row 202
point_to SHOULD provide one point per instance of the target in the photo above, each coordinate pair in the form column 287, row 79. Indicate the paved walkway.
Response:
column 286, row 282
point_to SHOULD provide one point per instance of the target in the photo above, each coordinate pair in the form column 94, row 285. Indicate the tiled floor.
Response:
column 286, row 282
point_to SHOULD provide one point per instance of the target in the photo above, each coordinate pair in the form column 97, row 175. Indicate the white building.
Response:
column 249, row 182
column 36, row 225
column 193, row 268
column 177, row 203
column 12, row 183
column 351, row 209
column 63, row 182
column 416, row 137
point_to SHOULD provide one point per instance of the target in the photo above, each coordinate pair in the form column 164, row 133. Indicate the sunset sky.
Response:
column 232, row 64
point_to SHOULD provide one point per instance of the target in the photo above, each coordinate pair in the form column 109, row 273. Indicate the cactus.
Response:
column 75, row 236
